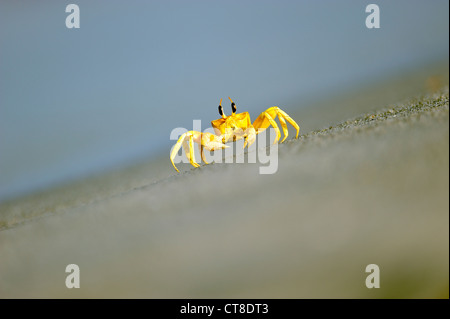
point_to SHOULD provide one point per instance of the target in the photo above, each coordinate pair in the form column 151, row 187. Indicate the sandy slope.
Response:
column 373, row 189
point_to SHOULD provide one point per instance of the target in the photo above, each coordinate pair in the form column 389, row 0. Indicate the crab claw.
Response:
column 212, row 142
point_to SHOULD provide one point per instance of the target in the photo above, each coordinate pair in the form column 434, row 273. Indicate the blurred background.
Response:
column 77, row 102
column 85, row 122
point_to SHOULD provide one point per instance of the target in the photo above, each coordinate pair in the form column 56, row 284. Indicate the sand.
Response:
column 371, row 188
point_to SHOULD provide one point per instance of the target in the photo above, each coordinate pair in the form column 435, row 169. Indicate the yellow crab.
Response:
column 232, row 128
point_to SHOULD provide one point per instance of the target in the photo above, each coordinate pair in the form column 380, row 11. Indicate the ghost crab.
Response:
column 235, row 127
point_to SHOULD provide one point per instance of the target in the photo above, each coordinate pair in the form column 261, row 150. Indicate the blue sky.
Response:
column 77, row 101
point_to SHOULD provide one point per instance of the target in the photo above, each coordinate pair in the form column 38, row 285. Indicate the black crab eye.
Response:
column 220, row 110
column 233, row 107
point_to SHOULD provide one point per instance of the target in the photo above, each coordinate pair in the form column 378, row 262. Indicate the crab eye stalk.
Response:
column 221, row 109
column 233, row 106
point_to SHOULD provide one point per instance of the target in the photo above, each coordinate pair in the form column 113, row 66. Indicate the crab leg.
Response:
column 275, row 126
column 191, row 152
column 267, row 118
column 285, row 116
column 284, row 127
column 205, row 140
column 188, row 150
column 176, row 148
column 202, row 154
column 263, row 121
column 251, row 136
